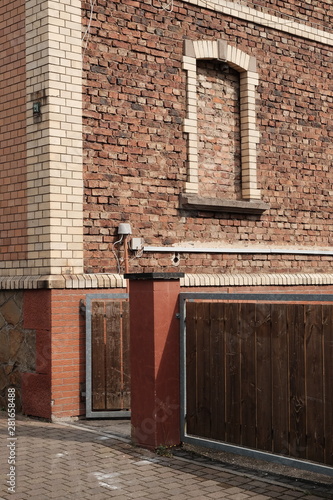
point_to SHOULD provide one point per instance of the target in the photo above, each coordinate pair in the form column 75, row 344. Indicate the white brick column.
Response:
column 54, row 136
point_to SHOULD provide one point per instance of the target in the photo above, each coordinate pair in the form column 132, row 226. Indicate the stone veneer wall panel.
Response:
column 17, row 346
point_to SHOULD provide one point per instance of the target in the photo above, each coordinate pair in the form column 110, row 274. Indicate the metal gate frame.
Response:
column 220, row 445
column 90, row 413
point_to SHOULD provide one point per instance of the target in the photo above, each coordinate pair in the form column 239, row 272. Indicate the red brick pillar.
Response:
column 154, row 347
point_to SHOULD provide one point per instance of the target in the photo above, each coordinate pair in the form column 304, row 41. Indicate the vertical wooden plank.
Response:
column 126, row 371
column 217, row 378
column 314, row 383
column 280, row 380
column 295, row 325
column 98, row 356
column 232, row 374
column 203, row 427
column 248, row 375
column 113, row 356
column 191, row 367
column 328, row 378
column 263, row 377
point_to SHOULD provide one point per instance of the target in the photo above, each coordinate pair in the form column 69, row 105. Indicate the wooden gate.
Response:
column 259, row 375
column 108, row 366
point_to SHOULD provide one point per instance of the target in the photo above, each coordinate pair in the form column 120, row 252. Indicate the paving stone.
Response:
column 57, row 462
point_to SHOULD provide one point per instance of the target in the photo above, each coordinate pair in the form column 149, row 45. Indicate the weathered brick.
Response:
column 142, row 110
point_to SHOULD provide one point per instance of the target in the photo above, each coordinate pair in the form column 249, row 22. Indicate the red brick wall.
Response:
column 54, row 388
column 68, row 352
column 316, row 12
column 12, row 131
column 135, row 148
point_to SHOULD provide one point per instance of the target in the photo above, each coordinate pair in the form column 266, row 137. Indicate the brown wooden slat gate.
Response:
column 259, row 375
column 110, row 366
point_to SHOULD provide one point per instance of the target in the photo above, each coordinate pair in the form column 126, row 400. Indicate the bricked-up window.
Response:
column 219, row 145
column 221, row 128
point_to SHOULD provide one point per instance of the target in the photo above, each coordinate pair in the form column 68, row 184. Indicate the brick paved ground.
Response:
column 62, row 461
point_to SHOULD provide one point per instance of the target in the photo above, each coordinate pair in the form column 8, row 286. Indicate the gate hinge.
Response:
column 82, row 392
column 82, row 307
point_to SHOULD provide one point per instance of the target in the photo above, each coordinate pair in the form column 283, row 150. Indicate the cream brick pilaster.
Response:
column 54, row 137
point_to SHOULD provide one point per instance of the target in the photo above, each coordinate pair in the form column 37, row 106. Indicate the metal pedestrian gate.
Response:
column 257, row 375
column 107, row 356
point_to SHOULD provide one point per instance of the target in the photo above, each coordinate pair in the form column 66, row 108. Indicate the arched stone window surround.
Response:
column 246, row 66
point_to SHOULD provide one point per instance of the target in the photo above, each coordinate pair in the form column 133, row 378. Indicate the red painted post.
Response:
column 155, row 357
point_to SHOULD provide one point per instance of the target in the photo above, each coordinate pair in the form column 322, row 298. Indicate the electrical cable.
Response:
column 115, row 254
column 168, row 7
column 86, row 33
column 137, row 255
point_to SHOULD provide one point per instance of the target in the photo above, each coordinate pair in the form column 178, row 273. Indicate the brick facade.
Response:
column 206, row 126
column 135, row 149
column 68, row 353
column 138, row 151
column 316, row 13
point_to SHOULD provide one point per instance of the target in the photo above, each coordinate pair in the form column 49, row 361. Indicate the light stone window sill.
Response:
column 194, row 202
